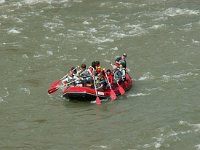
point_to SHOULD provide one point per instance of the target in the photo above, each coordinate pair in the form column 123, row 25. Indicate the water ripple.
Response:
column 6, row 94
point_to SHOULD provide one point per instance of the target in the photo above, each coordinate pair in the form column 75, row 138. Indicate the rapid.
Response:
column 41, row 39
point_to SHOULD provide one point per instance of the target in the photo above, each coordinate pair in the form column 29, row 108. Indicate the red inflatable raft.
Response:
column 88, row 93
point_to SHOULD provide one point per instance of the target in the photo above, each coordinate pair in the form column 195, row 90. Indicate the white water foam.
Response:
column 197, row 147
column 54, row 25
column 154, row 89
column 100, row 146
column 26, row 90
column 2, row 1
column 156, row 144
column 38, row 55
column 92, row 30
column 33, row 2
column 164, row 137
column 1, row 99
column 178, row 11
column 50, row 53
column 93, row 102
column 195, row 41
column 171, row 12
column 135, row 29
column 6, row 95
column 173, row 62
column 137, row 94
column 100, row 40
column 76, row 34
column 182, row 76
column 114, row 49
column 86, row 22
column 25, row 56
column 196, row 127
column 14, row 31
column 159, row 26
column 146, row 76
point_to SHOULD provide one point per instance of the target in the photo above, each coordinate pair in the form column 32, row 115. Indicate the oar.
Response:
column 55, row 83
column 112, row 93
column 121, row 90
column 98, row 101
column 52, row 90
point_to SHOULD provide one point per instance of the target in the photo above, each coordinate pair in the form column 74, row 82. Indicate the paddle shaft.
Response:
column 55, row 83
column 98, row 101
column 112, row 93
column 108, row 80
column 54, row 89
column 67, row 74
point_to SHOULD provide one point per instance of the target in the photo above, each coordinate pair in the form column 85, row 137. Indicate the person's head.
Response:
column 124, row 56
column 83, row 66
column 73, row 70
column 97, row 63
column 123, row 64
column 93, row 64
column 108, row 71
column 117, row 58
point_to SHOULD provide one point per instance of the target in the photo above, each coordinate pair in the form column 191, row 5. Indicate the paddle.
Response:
column 55, row 83
column 98, row 101
column 121, row 90
column 52, row 90
column 112, row 93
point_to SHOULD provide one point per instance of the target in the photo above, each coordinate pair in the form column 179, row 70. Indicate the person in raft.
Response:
column 117, row 74
column 92, row 69
column 101, row 83
column 98, row 67
column 84, row 75
column 110, row 76
column 121, row 60
column 70, row 78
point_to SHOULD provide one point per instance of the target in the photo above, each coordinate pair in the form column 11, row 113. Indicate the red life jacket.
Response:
column 117, row 64
column 110, row 78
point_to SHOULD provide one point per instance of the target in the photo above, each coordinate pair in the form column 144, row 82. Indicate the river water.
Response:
column 41, row 39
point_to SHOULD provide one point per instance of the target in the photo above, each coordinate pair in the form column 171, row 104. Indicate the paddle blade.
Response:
column 50, row 91
column 121, row 90
column 55, row 83
column 98, row 101
column 113, row 95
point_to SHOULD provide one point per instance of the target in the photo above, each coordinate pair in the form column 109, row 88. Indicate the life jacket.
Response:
column 70, row 79
column 91, row 70
column 117, row 75
column 110, row 78
column 85, row 74
column 123, row 63
column 101, row 83
column 117, row 64
column 123, row 71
